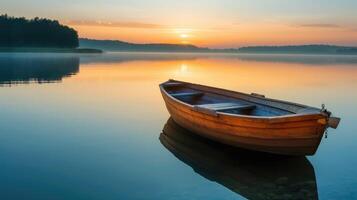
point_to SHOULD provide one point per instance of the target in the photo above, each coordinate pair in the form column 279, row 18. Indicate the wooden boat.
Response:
column 249, row 121
column 253, row 175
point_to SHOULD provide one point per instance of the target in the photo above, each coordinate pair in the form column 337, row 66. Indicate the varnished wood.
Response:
column 268, row 125
column 333, row 122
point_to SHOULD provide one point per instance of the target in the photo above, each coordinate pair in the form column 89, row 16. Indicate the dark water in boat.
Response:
column 91, row 127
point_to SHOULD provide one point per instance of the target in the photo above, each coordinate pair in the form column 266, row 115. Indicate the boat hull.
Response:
column 300, row 135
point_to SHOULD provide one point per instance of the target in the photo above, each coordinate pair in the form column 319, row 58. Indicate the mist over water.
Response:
column 91, row 129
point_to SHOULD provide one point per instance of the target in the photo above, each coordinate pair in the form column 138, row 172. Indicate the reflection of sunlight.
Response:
column 183, row 68
column 183, row 71
column 269, row 77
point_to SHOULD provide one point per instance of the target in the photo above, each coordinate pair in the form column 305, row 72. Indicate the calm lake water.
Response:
column 89, row 127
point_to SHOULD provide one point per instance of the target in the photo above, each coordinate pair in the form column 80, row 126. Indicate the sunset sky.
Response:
column 211, row 23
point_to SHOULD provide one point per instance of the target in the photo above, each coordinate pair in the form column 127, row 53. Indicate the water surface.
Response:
column 90, row 127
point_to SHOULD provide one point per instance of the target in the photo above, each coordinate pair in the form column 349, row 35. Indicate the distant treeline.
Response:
column 37, row 32
column 116, row 45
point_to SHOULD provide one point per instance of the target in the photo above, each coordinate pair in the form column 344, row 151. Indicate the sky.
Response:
column 210, row 23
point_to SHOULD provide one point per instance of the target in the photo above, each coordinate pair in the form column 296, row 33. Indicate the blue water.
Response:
column 88, row 127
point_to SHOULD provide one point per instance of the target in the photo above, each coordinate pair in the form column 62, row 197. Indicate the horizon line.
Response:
column 238, row 47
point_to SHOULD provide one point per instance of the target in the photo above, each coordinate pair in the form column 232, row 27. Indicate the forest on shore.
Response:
column 37, row 32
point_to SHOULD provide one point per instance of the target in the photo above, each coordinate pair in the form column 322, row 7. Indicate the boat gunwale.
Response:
column 271, row 119
column 261, row 121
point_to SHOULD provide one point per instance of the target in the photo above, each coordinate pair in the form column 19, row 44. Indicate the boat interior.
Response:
column 211, row 101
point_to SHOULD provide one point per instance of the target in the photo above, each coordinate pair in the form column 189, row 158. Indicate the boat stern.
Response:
column 333, row 122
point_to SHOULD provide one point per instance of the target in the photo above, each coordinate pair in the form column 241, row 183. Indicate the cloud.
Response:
column 115, row 24
column 354, row 29
column 141, row 25
column 320, row 25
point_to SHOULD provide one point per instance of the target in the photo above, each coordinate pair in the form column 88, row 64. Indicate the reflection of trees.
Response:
column 249, row 174
column 40, row 69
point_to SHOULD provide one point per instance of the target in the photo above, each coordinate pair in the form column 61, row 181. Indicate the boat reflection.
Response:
column 252, row 175
column 29, row 68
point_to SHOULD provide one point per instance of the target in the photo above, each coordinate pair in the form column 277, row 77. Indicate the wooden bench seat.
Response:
column 212, row 109
column 187, row 94
column 173, row 84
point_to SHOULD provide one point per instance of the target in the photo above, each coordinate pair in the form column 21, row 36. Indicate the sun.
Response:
column 184, row 35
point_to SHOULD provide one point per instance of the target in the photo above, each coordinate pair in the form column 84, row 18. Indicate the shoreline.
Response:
column 234, row 53
column 99, row 51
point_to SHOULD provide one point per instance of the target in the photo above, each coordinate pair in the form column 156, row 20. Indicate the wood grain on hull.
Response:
column 298, row 135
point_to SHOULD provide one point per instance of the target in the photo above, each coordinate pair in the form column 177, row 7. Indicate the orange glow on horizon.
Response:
column 221, row 37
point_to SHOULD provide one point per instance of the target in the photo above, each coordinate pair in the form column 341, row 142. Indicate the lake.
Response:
column 77, row 126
